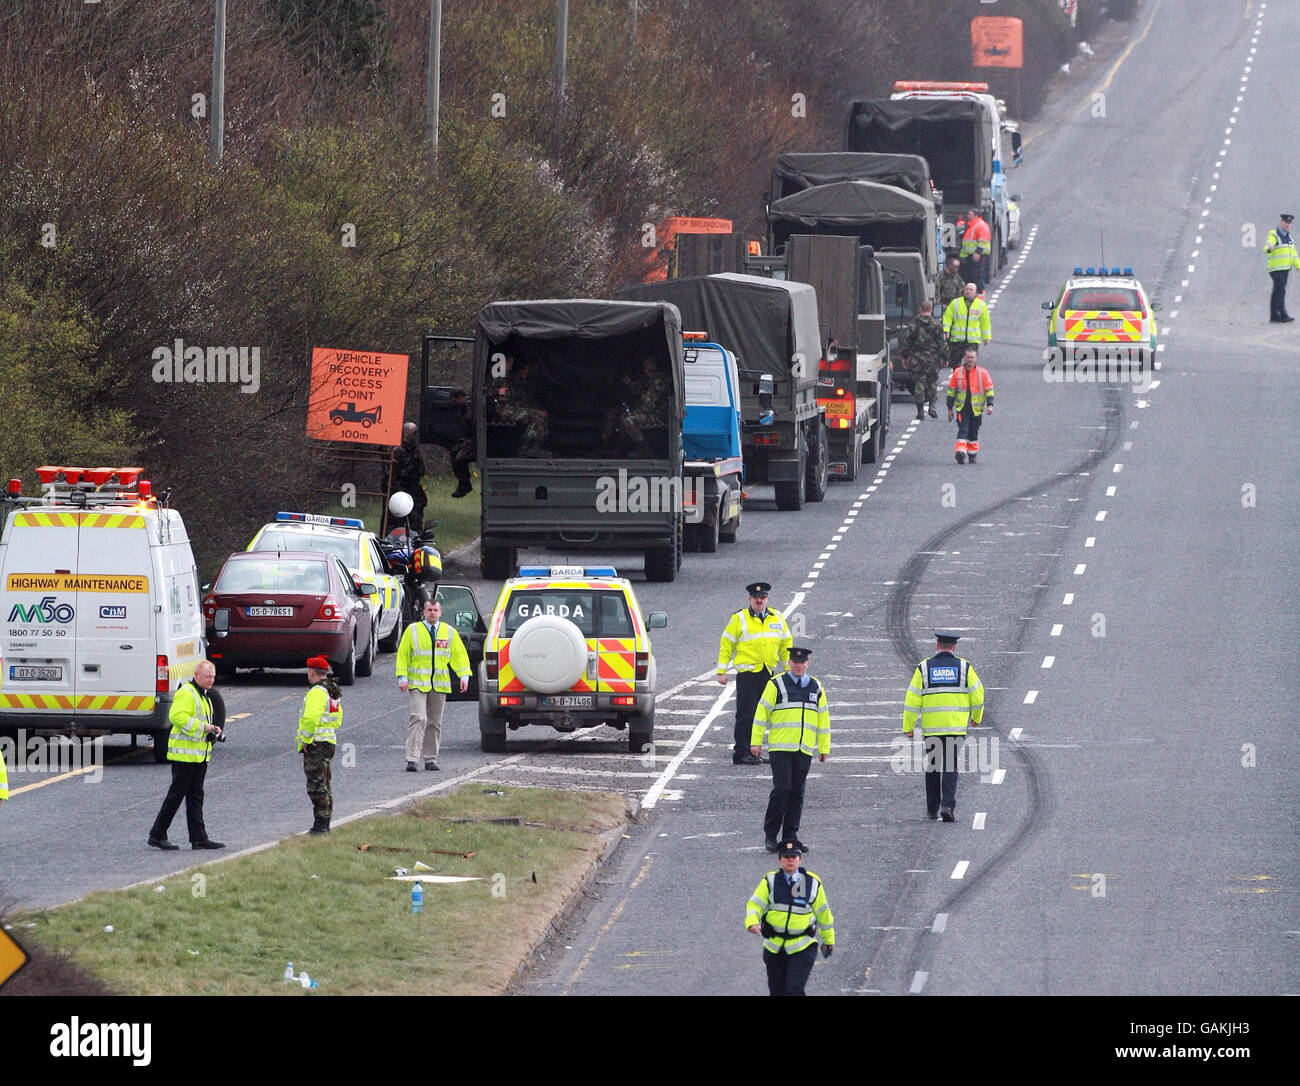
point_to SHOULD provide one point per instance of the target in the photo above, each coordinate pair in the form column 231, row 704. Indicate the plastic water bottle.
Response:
column 289, row 975
column 417, row 898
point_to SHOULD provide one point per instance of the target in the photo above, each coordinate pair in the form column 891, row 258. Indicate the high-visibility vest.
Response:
column 425, row 661
column 980, row 386
column 190, row 715
column 945, row 692
column 976, row 238
column 1281, row 253
column 794, row 916
column 321, row 717
column 793, row 717
column 755, row 642
column 4, row 778
column 967, row 322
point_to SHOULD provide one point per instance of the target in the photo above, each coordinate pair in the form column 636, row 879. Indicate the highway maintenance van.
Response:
column 100, row 612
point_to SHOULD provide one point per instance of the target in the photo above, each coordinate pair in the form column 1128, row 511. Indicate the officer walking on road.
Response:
column 976, row 248
column 792, row 716
column 924, row 350
column 946, row 693
column 189, row 749
column 759, row 640
column 970, row 393
column 318, row 728
column 966, row 324
column 788, row 908
column 428, row 652
column 1281, row 252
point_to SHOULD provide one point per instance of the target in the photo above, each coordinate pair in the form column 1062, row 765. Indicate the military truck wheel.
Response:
column 818, row 466
column 789, row 496
column 661, row 563
column 497, row 563
column 852, row 460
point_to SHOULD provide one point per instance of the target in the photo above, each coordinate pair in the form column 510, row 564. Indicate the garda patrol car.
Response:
column 100, row 614
column 347, row 538
column 1103, row 316
column 569, row 647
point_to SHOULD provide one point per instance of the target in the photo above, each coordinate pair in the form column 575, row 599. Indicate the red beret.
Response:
column 319, row 663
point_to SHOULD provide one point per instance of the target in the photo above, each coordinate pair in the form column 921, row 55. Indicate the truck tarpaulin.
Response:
column 765, row 322
column 795, row 172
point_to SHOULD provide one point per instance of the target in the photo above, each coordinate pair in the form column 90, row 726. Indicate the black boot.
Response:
column 920, row 413
column 933, row 413
column 463, row 486
column 320, row 825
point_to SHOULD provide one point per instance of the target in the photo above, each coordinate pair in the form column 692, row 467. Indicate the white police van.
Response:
column 100, row 612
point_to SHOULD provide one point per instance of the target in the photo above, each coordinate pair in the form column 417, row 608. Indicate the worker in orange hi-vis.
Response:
column 970, row 394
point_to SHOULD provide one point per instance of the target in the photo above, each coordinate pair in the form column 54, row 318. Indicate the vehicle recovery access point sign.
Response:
column 357, row 396
column 997, row 41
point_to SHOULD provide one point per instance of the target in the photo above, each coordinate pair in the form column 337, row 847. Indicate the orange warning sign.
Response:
column 12, row 957
column 357, row 396
column 997, row 41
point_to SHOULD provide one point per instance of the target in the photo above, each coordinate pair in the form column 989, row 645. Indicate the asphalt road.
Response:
column 1120, row 564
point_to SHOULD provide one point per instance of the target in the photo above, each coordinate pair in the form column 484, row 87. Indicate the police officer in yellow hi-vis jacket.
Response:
column 429, row 651
column 189, row 748
column 4, row 779
column 759, row 640
column 788, row 909
column 946, row 694
column 318, row 731
column 792, row 716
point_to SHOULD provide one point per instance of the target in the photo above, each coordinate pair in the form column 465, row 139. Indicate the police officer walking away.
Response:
column 788, row 908
column 924, row 350
column 759, row 641
column 318, row 727
column 793, row 717
column 946, row 693
column 189, row 749
column 1281, row 252
column 970, row 393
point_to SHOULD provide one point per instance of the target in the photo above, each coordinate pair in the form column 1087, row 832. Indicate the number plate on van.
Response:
column 23, row 673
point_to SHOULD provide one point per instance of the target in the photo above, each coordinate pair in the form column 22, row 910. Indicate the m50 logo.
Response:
column 47, row 611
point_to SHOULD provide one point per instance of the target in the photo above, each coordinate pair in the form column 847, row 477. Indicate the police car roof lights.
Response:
column 567, row 571
column 1078, row 271
column 321, row 518
column 1128, row 271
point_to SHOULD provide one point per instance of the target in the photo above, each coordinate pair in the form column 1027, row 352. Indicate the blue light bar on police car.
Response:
column 1078, row 271
column 321, row 518
column 1092, row 271
column 1128, row 271
column 567, row 571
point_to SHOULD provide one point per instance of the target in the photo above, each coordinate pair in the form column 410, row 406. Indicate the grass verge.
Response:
column 458, row 518
column 330, row 908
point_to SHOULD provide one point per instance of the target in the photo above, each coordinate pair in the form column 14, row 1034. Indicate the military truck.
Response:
column 772, row 328
column 905, row 288
column 581, row 489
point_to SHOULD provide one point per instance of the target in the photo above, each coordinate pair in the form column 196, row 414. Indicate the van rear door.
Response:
column 38, row 642
column 115, row 623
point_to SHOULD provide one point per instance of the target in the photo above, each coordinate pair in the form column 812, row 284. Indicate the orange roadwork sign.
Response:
column 997, row 41
column 357, row 396
column 12, row 957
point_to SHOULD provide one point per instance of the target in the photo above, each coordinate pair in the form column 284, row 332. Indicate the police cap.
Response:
column 790, row 848
column 758, row 588
column 946, row 637
column 1287, row 218
column 799, row 656
column 318, row 663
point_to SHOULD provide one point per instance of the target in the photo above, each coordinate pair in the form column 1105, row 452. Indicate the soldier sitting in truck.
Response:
column 639, row 405
column 508, row 404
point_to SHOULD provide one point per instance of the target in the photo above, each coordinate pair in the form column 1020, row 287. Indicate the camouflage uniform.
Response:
column 641, row 405
column 949, row 286
column 318, row 725
column 408, row 470
column 925, row 349
column 463, row 454
column 505, row 405
column 316, row 758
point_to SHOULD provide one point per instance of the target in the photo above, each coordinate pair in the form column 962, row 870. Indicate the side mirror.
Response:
column 656, row 620
column 1049, row 305
column 206, row 587
column 1017, row 197
column 766, row 390
column 1156, row 307
column 366, row 589
column 221, row 621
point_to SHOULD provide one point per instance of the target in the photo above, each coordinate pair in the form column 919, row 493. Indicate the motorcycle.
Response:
column 412, row 556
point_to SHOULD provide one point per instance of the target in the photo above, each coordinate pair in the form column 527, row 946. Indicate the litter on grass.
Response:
column 434, row 878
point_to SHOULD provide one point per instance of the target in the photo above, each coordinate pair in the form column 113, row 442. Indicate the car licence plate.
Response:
column 270, row 612
column 1104, row 324
column 567, row 701
column 22, row 673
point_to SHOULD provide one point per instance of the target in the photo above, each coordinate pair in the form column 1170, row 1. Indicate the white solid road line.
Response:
column 918, row 982
column 656, row 790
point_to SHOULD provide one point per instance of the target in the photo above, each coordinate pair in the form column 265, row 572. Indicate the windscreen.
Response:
column 273, row 574
column 1102, row 298
column 596, row 614
column 345, row 550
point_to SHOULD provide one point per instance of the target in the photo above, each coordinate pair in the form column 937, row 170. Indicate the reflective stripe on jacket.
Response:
column 980, row 387
column 792, row 717
column 190, row 714
column 4, row 778
column 967, row 323
column 1280, row 249
column 321, row 717
column 945, row 692
column 977, row 237
column 796, row 917
column 755, row 643
column 425, row 662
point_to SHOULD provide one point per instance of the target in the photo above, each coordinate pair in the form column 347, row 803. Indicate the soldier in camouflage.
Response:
column 465, row 451
column 640, row 406
column 925, row 349
column 950, row 284
column 318, row 725
column 507, row 403
column 408, row 470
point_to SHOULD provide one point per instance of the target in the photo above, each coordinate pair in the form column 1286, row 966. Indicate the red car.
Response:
column 276, row 608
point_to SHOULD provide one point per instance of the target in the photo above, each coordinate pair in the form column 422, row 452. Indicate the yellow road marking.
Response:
column 618, row 910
